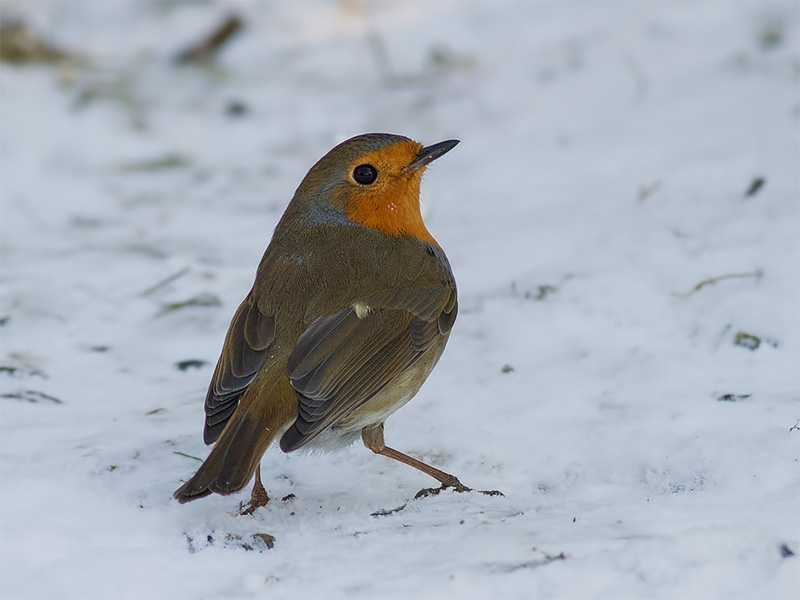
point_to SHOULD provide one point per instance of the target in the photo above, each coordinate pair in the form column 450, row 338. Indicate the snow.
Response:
column 591, row 376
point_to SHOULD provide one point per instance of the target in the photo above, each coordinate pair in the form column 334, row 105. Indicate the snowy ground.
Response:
column 592, row 376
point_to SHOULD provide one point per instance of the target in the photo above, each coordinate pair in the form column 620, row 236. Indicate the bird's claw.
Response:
column 258, row 499
column 456, row 486
column 453, row 484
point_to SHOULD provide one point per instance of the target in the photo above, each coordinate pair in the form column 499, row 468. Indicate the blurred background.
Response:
column 622, row 217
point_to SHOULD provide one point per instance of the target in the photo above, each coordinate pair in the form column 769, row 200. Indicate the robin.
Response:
column 352, row 306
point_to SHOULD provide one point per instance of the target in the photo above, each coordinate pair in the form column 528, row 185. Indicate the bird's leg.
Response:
column 373, row 439
column 259, row 496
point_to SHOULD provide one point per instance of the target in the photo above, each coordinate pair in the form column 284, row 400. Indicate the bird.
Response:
column 351, row 308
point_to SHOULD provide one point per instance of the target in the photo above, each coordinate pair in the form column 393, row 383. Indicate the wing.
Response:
column 344, row 359
column 243, row 356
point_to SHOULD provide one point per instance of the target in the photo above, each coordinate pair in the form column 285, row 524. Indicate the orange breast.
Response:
column 393, row 209
column 391, row 204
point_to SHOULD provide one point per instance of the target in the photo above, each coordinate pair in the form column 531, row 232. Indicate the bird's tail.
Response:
column 262, row 415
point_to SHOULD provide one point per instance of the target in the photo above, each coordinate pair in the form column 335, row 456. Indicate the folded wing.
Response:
column 344, row 359
column 243, row 356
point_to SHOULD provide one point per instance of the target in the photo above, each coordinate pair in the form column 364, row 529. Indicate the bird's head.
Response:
column 373, row 180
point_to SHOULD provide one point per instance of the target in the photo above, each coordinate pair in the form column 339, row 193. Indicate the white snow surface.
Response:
column 592, row 377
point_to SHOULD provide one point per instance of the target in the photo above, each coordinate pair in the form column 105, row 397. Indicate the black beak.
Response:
column 431, row 153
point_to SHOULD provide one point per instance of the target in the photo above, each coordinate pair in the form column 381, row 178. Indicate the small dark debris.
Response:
column 770, row 37
column 388, row 511
column 32, row 396
column 732, row 397
column 267, row 539
column 155, row 411
column 237, row 540
column 204, row 300
column 551, row 558
column 99, row 348
column 507, row 369
column 544, row 291
column 755, row 187
column 86, row 222
column 161, row 163
column 112, row 467
column 444, row 58
column 288, row 498
column 711, row 280
column 187, row 455
column 746, row 340
column 20, row 373
column 786, row 552
column 192, row 363
column 534, row 564
column 203, row 51
column 574, row 519
column 20, row 44
column 164, row 282
column 795, row 427
column 645, row 191
column 236, row 108
column 4, row 320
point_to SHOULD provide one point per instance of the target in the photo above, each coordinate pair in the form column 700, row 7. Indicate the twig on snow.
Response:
column 757, row 274
column 187, row 455
column 164, row 282
column 204, row 51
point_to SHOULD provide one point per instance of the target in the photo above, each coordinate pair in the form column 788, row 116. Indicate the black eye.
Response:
column 365, row 174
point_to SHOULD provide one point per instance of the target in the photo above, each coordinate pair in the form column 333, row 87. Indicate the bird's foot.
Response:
column 450, row 482
column 258, row 499
column 456, row 486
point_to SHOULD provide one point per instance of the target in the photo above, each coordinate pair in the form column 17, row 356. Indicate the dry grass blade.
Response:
column 711, row 280
column 20, row 44
column 204, row 51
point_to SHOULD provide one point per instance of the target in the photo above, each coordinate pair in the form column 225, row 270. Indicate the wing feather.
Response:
column 243, row 356
column 342, row 360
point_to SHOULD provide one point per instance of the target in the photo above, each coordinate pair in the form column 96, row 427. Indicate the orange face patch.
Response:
column 390, row 203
